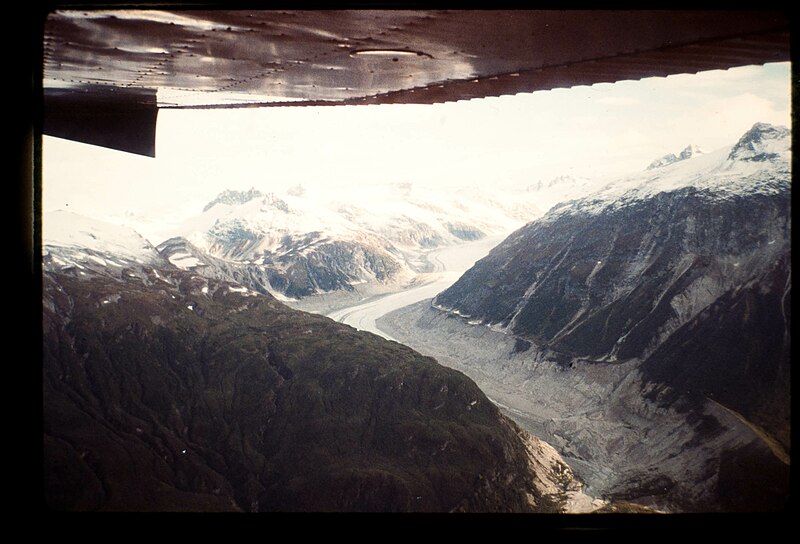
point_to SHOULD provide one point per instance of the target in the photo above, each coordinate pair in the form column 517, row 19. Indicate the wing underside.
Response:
column 107, row 73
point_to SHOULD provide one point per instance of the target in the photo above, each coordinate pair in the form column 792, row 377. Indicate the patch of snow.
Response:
column 716, row 172
column 62, row 229
column 184, row 260
column 281, row 297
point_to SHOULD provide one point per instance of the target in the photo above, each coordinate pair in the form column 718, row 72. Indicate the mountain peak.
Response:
column 765, row 127
column 667, row 159
column 73, row 238
column 232, row 197
column 688, row 152
column 762, row 142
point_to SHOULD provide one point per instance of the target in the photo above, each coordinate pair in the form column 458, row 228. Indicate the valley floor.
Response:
column 621, row 445
column 363, row 306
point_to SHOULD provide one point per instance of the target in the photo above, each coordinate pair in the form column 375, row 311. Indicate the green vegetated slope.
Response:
column 184, row 394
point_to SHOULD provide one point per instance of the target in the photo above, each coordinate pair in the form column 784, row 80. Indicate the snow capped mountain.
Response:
column 758, row 163
column 558, row 181
column 148, row 368
column 670, row 158
column 293, row 273
column 317, row 241
column 762, row 142
column 233, row 198
column 709, row 181
column 680, row 274
column 407, row 216
column 72, row 240
column 689, row 152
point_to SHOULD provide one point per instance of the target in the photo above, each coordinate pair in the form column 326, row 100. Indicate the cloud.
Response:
column 724, row 120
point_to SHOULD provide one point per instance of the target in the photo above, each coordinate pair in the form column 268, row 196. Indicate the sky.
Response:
column 604, row 130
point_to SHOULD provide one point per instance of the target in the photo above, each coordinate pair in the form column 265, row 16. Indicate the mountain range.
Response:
column 641, row 326
column 167, row 391
column 303, row 243
column 665, row 290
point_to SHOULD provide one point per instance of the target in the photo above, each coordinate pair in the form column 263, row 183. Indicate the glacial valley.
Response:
column 627, row 349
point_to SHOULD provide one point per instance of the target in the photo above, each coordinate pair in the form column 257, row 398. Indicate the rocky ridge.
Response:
column 687, row 153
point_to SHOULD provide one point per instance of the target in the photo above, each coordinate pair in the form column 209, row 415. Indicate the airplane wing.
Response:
column 106, row 74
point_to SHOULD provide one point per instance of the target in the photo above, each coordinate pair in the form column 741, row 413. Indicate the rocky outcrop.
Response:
column 687, row 153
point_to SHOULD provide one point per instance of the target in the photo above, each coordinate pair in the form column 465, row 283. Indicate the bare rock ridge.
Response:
column 687, row 286
column 165, row 390
column 232, row 197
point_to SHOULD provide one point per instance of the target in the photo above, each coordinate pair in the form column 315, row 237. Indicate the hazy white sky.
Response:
column 606, row 129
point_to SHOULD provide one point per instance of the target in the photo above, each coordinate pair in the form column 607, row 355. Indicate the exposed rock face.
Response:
column 296, row 271
column 164, row 390
column 234, row 197
column 681, row 281
column 736, row 352
column 614, row 286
